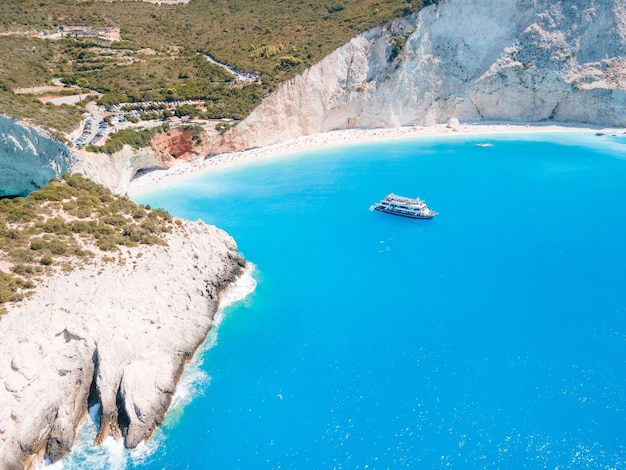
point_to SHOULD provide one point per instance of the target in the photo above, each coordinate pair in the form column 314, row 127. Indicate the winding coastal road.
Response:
column 242, row 76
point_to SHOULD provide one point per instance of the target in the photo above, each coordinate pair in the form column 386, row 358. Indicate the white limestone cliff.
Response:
column 29, row 160
column 474, row 60
column 116, row 171
column 119, row 333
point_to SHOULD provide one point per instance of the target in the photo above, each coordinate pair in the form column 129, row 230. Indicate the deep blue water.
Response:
column 493, row 336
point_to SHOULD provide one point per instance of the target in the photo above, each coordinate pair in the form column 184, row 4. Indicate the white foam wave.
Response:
column 144, row 450
column 241, row 288
column 111, row 455
column 195, row 380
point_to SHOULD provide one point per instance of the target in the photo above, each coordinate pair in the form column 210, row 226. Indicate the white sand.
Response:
column 182, row 170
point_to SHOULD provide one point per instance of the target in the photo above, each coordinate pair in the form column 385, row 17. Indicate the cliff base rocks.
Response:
column 118, row 332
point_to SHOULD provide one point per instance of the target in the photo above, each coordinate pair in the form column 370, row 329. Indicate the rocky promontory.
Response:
column 117, row 330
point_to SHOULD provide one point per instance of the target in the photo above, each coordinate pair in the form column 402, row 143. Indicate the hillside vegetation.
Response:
column 159, row 54
column 65, row 224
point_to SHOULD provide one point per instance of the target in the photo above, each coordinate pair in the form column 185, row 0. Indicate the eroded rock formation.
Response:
column 118, row 333
column 510, row 60
column 117, row 170
column 180, row 144
column 28, row 159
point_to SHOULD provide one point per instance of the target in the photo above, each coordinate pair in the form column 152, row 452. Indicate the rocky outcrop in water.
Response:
column 474, row 60
column 118, row 332
column 28, row 159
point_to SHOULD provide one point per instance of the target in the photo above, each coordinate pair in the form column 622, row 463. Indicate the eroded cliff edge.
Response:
column 474, row 60
column 29, row 158
column 119, row 332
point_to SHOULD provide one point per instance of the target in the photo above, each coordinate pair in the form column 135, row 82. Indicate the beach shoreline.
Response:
column 150, row 181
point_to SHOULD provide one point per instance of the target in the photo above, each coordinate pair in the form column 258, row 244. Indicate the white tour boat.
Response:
column 404, row 206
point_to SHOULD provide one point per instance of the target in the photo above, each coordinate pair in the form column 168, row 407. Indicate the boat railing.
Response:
column 405, row 200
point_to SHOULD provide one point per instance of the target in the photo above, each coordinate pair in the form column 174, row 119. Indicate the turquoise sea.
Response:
column 492, row 337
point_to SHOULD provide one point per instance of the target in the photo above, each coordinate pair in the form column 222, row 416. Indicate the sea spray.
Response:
column 111, row 454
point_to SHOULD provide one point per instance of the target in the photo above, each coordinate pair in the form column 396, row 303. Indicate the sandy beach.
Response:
column 150, row 181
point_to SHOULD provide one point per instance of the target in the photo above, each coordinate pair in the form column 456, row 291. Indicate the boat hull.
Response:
column 405, row 214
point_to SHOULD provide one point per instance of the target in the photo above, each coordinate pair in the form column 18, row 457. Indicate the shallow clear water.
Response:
column 493, row 336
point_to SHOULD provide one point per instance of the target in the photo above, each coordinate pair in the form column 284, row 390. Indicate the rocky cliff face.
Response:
column 119, row 334
column 513, row 60
column 28, row 160
column 180, row 144
column 117, row 170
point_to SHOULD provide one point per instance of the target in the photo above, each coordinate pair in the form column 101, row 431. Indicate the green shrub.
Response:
column 115, row 220
column 82, row 212
column 37, row 244
column 87, row 199
column 152, row 240
column 136, row 139
column 18, row 210
column 78, row 182
column 336, row 8
column 70, row 205
column 138, row 213
column 57, row 247
column 53, row 191
column 20, row 255
column 102, row 230
column 163, row 214
column 26, row 269
column 58, row 226
column 398, row 45
column 46, row 260
column 287, row 62
column 83, row 226
column 149, row 225
column 13, row 234
column 108, row 243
